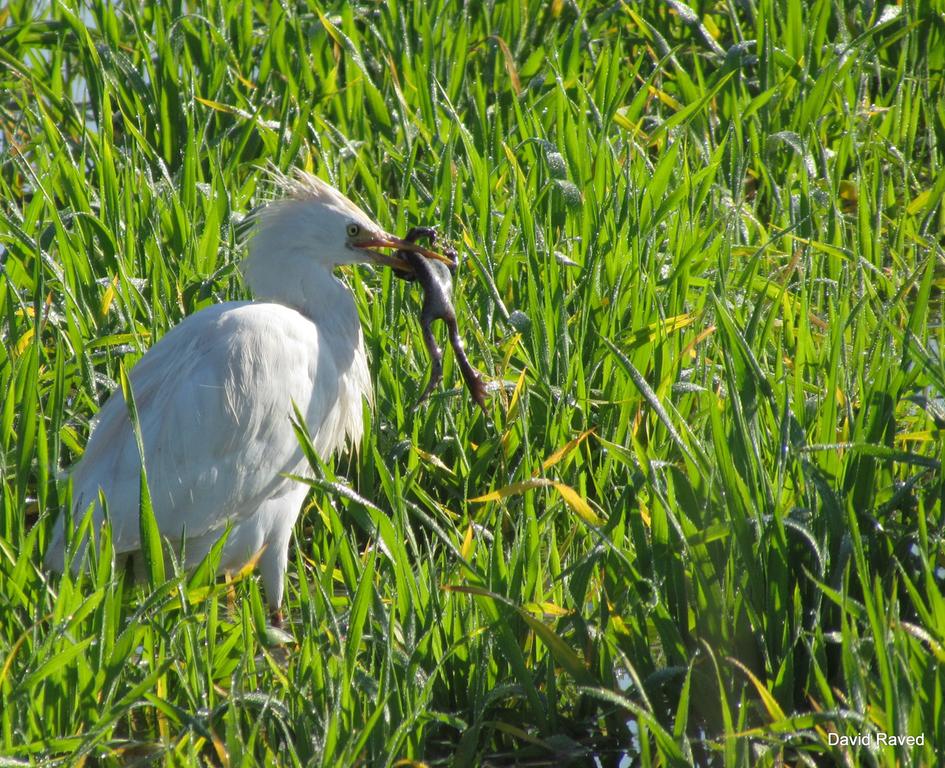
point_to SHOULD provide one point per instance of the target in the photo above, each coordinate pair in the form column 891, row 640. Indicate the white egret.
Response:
column 215, row 395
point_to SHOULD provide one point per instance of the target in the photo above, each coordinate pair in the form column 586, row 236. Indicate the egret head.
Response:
column 315, row 222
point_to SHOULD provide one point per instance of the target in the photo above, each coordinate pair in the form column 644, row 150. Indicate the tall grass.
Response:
column 703, row 266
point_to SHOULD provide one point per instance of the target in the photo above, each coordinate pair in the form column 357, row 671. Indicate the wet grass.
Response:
column 702, row 264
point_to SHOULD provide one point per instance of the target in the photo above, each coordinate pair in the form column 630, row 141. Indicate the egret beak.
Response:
column 393, row 260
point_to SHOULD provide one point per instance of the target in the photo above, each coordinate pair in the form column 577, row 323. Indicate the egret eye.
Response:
column 354, row 229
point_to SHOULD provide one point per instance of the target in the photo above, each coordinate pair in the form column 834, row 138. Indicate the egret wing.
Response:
column 214, row 399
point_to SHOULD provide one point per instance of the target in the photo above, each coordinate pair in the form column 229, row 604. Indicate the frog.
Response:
column 436, row 279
